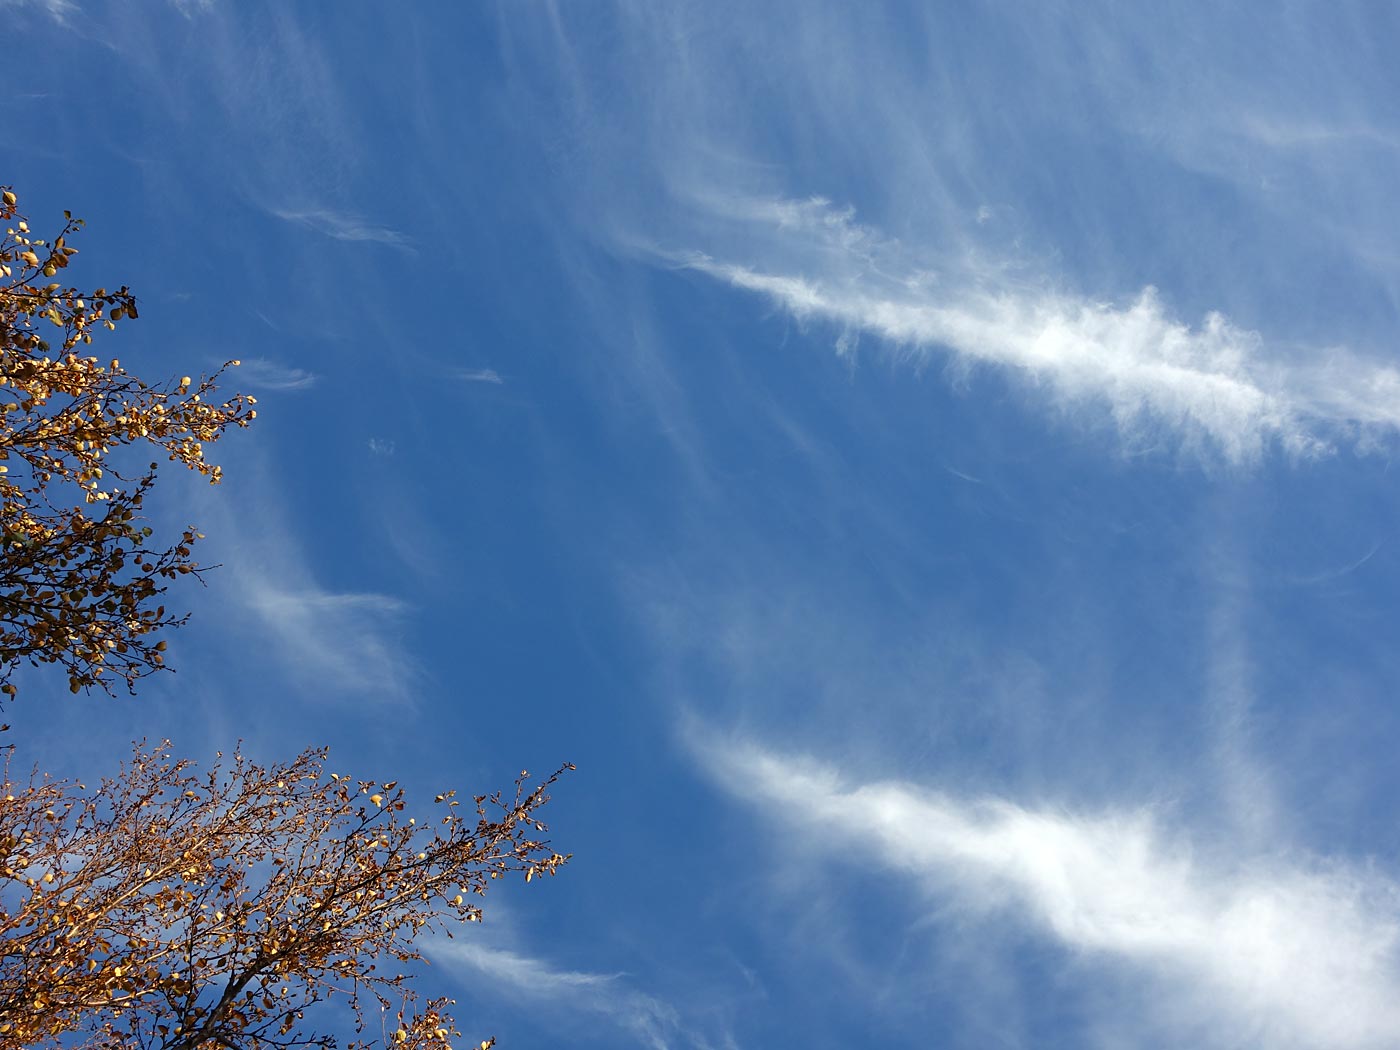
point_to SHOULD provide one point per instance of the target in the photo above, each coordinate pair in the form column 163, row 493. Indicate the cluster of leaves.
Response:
column 80, row 583
column 169, row 910
column 173, row 911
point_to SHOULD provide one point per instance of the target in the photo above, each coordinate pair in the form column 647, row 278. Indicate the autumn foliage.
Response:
column 176, row 911
column 80, row 577
column 168, row 909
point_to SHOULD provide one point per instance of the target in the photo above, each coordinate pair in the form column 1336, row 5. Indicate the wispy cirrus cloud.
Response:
column 1212, row 384
column 58, row 10
column 340, row 642
column 190, row 8
column 330, row 639
column 478, row 375
column 344, row 226
column 267, row 374
column 650, row 1022
column 521, row 972
column 1273, row 951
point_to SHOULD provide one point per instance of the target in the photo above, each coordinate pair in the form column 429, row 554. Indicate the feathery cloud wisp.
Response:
column 651, row 1022
column 339, row 641
column 58, row 10
column 333, row 640
column 1216, row 382
column 269, row 375
column 1285, row 953
column 478, row 375
column 345, row 227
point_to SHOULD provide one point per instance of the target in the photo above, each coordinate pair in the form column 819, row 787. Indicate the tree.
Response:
column 80, row 582
column 168, row 910
column 173, row 911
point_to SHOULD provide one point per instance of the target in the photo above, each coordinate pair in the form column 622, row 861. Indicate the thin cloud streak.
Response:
column 651, row 1022
column 333, row 644
column 345, row 227
column 269, row 375
column 58, row 10
column 478, row 375
column 1214, row 384
column 522, row 972
column 1273, row 951
column 338, row 641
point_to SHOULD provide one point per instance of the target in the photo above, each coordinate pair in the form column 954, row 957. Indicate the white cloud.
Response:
column 189, row 8
column 522, row 972
column 1214, row 383
column 1277, row 132
column 58, row 10
column 270, row 375
column 650, row 1022
column 1275, row 951
column 346, row 227
column 331, row 642
column 478, row 375
column 340, row 643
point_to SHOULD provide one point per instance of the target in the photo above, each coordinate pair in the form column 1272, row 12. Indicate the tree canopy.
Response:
column 169, row 909
column 180, row 911
column 81, row 574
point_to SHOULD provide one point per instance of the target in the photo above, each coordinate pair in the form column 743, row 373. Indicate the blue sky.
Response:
column 928, row 466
